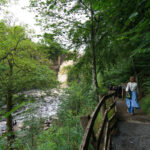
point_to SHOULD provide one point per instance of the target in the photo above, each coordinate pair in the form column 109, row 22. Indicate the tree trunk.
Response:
column 9, row 122
column 9, row 119
column 94, row 74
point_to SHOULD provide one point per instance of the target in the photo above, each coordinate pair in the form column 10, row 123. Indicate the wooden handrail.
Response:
column 104, row 122
column 88, row 131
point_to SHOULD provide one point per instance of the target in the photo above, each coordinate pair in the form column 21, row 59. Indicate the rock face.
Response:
column 131, row 136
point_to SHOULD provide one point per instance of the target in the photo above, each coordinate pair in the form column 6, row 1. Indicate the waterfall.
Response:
column 62, row 74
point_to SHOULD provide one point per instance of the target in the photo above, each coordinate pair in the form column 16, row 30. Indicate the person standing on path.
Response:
column 131, row 101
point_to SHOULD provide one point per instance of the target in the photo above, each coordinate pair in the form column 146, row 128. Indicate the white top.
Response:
column 132, row 86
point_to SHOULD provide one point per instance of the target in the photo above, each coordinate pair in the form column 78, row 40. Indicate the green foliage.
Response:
column 27, row 137
column 81, row 71
column 103, row 90
column 19, row 55
column 118, row 73
column 52, row 48
column 126, row 48
column 63, row 138
column 23, row 66
column 78, row 98
column 145, row 104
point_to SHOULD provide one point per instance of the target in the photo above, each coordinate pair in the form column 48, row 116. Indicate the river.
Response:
column 44, row 106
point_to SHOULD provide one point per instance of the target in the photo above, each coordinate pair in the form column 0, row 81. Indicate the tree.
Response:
column 50, row 11
column 22, row 66
column 52, row 48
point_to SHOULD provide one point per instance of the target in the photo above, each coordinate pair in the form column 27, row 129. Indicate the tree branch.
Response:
column 100, row 39
column 13, row 49
column 5, row 56
column 84, row 5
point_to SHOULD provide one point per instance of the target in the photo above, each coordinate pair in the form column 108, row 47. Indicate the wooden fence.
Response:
column 101, row 139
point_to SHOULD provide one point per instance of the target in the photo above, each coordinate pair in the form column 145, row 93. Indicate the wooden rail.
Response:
column 102, row 140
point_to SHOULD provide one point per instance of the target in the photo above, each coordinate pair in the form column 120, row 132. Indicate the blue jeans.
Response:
column 131, row 110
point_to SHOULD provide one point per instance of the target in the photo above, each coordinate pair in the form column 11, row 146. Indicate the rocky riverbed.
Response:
column 44, row 106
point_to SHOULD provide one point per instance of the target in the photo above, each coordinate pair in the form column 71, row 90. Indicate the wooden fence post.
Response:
column 84, row 121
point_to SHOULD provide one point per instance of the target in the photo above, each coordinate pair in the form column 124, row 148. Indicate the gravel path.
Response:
column 133, row 131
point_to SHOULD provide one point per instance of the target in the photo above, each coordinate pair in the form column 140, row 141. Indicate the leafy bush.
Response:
column 145, row 104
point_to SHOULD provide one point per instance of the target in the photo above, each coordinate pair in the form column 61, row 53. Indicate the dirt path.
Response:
column 133, row 131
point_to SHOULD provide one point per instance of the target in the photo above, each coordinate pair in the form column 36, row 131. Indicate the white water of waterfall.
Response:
column 62, row 74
